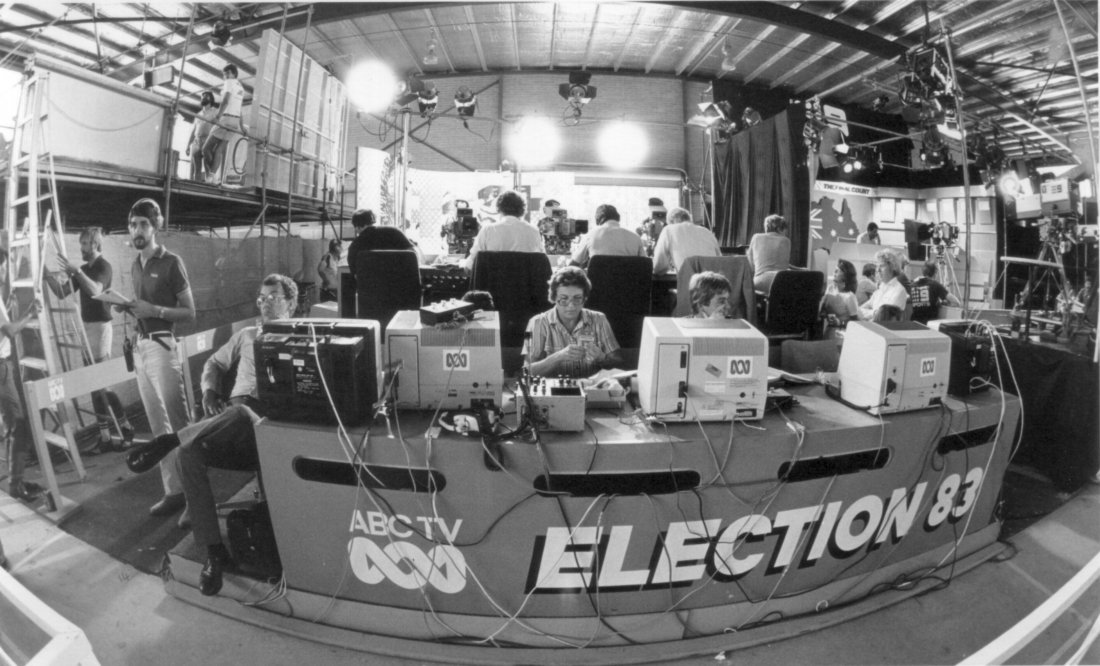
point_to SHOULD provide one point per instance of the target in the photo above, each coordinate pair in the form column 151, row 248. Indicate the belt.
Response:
column 157, row 337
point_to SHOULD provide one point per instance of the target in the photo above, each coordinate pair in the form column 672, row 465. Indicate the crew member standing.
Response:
column 92, row 278
column 162, row 297
column 228, row 119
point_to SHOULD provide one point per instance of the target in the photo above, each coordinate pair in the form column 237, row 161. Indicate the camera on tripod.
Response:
column 558, row 231
column 461, row 230
column 944, row 236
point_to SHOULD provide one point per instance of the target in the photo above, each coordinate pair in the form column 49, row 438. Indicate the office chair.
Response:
column 791, row 307
column 737, row 270
column 519, row 283
column 621, row 290
column 386, row 281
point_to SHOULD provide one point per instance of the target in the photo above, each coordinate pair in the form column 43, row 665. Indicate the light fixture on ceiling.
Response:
column 577, row 92
column 729, row 58
column 220, row 36
column 465, row 104
column 431, row 57
column 427, row 99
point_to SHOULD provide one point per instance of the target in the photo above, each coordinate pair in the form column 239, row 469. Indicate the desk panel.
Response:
column 743, row 541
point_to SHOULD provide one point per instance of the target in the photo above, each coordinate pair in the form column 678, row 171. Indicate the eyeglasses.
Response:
column 570, row 300
column 269, row 298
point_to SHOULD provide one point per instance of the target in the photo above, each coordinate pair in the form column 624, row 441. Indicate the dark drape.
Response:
column 756, row 174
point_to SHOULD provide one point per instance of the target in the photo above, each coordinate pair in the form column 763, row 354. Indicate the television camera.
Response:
column 461, row 230
column 651, row 228
column 559, row 230
column 944, row 237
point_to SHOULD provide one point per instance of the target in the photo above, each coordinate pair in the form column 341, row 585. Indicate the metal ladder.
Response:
column 37, row 347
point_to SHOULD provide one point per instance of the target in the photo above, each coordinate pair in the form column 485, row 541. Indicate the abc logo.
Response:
column 740, row 366
column 927, row 366
column 456, row 359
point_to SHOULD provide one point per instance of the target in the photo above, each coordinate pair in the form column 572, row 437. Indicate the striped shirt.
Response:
column 548, row 335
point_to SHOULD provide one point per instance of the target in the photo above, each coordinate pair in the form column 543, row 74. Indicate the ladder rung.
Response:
column 26, row 198
column 62, row 309
column 22, row 242
column 23, row 283
column 56, row 439
column 33, row 363
column 69, row 345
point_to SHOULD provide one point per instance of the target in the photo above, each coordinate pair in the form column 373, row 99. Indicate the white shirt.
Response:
column 890, row 293
column 232, row 105
column 239, row 347
column 680, row 241
column 866, row 239
column 510, row 234
column 608, row 238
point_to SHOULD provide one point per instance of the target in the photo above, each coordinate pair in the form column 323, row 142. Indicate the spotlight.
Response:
column 535, row 143
column 577, row 91
column 711, row 114
column 623, row 145
column 750, row 117
column 409, row 89
column 427, row 99
column 371, row 86
column 880, row 103
column 220, row 36
column 430, row 58
column 729, row 58
column 465, row 103
column 848, row 167
column 1009, row 184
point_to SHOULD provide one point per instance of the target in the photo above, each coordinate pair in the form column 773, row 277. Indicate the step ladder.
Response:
column 31, row 190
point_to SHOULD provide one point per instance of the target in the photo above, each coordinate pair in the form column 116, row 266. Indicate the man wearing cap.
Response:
column 607, row 238
column 682, row 238
column 650, row 229
column 870, row 237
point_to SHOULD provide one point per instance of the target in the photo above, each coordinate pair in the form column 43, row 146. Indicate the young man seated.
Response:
column 568, row 339
column 710, row 296
column 226, row 439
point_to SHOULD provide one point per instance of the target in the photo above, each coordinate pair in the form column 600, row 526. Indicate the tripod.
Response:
column 946, row 269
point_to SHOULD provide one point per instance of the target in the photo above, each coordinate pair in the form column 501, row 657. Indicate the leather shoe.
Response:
column 184, row 522
column 143, row 458
column 168, row 505
column 25, row 490
column 210, row 579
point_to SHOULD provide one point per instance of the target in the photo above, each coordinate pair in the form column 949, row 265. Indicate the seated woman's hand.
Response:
column 572, row 353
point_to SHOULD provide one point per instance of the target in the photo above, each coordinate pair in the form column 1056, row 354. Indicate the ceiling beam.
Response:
column 553, row 35
column 477, row 38
column 439, row 39
column 701, row 45
column 400, row 34
column 662, row 43
column 591, row 33
column 626, row 42
column 515, row 36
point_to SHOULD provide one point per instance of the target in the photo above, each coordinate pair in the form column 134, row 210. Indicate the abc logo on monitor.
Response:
column 740, row 366
column 456, row 359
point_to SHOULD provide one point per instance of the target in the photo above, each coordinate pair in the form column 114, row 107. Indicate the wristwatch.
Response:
column 160, row 312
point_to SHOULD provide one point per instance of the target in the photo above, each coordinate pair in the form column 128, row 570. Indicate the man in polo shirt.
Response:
column 568, row 339
column 226, row 121
column 510, row 234
column 607, row 238
column 681, row 239
column 91, row 279
column 162, row 297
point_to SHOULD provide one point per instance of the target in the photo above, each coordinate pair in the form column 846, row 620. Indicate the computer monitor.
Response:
column 893, row 366
column 702, row 369
column 307, row 367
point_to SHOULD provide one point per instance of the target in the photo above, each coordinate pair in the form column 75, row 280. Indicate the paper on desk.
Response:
column 112, row 297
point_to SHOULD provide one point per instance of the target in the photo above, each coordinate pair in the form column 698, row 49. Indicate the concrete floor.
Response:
column 130, row 619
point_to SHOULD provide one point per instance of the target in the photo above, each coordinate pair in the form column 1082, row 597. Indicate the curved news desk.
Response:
column 742, row 525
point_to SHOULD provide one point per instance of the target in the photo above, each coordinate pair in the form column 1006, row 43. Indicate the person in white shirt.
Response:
column 680, row 239
column 510, row 234
column 607, row 238
column 890, row 292
column 769, row 252
column 870, row 237
column 228, row 119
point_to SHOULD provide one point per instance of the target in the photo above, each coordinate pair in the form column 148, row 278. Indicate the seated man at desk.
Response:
column 568, row 339
column 509, row 234
column 226, row 439
column 369, row 236
column 891, row 291
column 607, row 238
column 682, row 238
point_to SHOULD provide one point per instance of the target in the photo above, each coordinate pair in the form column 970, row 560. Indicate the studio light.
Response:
column 465, row 103
column 431, row 58
column 880, row 103
column 750, row 117
column 220, row 36
column 577, row 91
column 623, row 145
column 427, row 99
column 711, row 114
column 371, row 86
column 408, row 90
column 1009, row 184
column 729, row 58
column 535, row 143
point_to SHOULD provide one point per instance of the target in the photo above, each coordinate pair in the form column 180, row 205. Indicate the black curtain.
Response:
column 757, row 173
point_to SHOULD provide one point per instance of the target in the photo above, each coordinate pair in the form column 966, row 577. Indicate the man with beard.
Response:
column 162, row 297
column 91, row 279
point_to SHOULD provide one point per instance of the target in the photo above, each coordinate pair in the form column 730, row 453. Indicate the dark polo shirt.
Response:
column 160, row 281
column 98, row 270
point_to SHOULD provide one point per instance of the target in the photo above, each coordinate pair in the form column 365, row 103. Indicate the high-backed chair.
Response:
column 386, row 281
column 803, row 356
column 621, row 290
column 737, row 270
column 791, row 308
column 519, row 283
